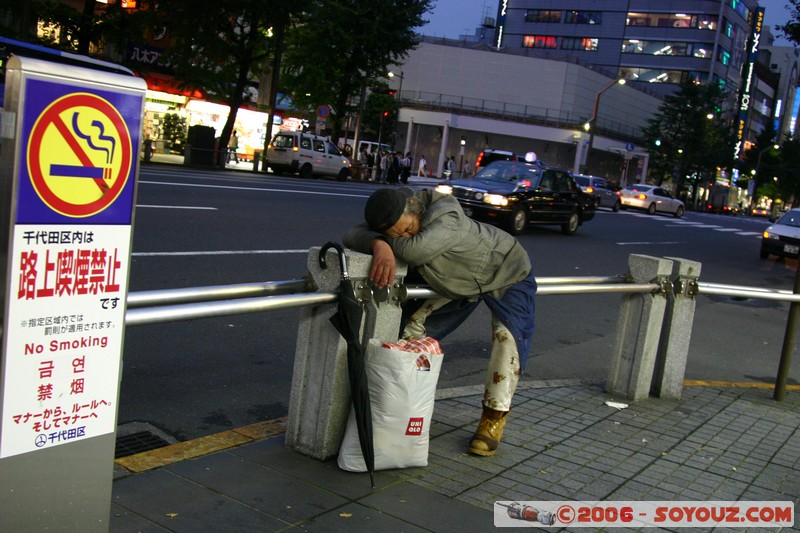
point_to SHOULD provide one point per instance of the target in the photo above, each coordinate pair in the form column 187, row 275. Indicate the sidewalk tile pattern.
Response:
column 561, row 443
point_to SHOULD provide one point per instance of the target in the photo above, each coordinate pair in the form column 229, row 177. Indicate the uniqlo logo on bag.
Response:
column 414, row 426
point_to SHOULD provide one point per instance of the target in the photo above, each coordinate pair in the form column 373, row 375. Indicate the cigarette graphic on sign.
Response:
column 81, row 171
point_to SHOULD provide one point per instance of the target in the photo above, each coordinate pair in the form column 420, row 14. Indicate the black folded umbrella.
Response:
column 347, row 322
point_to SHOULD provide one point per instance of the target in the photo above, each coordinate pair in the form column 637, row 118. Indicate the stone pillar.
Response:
column 673, row 350
column 641, row 316
column 443, row 149
column 320, row 399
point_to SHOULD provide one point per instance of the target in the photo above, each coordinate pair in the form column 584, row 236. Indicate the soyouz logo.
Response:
column 596, row 514
column 414, row 428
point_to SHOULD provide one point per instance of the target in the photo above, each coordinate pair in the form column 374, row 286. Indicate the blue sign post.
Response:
column 69, row 163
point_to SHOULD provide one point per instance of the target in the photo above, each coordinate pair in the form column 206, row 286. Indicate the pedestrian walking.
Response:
column 449, row 168
column 423, row 167
column 405, row 167
column 385, row 161
column 394, row 169
column 233, row 147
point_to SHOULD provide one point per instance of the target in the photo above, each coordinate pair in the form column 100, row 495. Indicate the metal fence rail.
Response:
column 173, row 305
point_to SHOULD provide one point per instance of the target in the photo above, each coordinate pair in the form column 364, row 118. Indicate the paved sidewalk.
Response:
column 562, row 442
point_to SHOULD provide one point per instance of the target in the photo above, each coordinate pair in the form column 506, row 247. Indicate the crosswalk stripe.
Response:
column 693, row 224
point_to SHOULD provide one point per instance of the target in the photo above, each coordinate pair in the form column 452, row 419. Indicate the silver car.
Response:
column 652, row 199
column 603, row 194
column 783, row 237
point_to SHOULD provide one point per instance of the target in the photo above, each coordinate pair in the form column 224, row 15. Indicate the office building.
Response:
column 658, row 44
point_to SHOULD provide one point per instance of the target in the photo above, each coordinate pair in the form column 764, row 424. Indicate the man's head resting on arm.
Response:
column 394, row 212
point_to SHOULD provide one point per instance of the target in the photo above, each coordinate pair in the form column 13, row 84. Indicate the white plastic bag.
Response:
column 402, row 389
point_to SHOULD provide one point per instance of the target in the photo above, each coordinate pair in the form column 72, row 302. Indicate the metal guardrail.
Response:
column 172, row 305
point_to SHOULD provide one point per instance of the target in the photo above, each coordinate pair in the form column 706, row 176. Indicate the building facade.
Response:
column 657, row 43
column 661, row 44
column 454, row 91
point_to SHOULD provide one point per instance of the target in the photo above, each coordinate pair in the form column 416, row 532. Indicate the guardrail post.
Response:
column 638, row 330
column 320, row 399
column 673, row 351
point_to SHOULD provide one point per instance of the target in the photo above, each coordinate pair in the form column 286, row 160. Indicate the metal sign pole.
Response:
column 70, row 151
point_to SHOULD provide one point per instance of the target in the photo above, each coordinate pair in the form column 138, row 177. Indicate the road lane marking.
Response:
column 649, row 242
column 262, row 189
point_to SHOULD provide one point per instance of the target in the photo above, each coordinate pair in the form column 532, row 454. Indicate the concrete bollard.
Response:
column 638, row 330
column 320, row 399
column 673, row 350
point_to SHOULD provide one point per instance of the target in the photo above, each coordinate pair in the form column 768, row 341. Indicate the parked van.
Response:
column 306, row 154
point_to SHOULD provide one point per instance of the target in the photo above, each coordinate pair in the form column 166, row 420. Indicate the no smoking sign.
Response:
column 79, row 155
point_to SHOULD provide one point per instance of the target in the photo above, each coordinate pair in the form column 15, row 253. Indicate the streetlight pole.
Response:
column 400, row 88
column 461, row 162
column 590, row 126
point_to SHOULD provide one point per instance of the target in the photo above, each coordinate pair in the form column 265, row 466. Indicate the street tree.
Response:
column 688, row 138
column 791, row 30
column 56, row 24
column 788, row 172
column 220, row 48
column 343, row 47
column 379, row 114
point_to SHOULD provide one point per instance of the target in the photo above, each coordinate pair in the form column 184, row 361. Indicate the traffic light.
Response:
column 384, row 115
column 657, row 142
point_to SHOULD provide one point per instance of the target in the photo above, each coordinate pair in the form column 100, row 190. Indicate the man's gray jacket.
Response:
column 457, row 256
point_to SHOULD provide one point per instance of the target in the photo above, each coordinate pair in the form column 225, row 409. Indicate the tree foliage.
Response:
column 345, row 44
column 65, row 27
column 789, row 171
column 791, row 29
column 220, row 47
column 687, row 137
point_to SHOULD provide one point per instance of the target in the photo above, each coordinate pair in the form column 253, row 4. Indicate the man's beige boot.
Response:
column 490, row 430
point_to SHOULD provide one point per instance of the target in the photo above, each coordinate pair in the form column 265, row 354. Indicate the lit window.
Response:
column 707, row 22
column 542, row 15
column 661, row 76
column 539, row 41
column 672, row 20
column 583, row 17
column 579, row 43
column 664, row 48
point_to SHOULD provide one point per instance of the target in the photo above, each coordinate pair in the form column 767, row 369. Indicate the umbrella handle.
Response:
column 338, row 247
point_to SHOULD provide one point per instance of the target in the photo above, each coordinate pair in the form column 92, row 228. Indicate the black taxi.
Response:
column 516, row 194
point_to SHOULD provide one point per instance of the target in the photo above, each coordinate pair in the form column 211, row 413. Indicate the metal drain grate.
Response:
column 143, row 441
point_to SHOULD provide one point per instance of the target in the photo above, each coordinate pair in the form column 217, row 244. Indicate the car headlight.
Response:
column 444, row 189
column 495, row 199
column 768, row 235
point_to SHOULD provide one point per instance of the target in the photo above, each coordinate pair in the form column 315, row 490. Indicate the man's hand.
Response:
column 383, row 264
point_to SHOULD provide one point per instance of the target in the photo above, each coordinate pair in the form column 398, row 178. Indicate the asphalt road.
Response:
column 195, row 228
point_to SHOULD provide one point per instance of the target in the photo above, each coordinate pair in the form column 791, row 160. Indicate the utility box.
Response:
column 202, row 146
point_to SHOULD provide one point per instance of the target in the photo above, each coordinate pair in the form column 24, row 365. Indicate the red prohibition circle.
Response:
column 35, row 148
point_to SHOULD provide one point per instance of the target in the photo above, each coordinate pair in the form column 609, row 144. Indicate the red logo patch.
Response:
column 415, row 426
